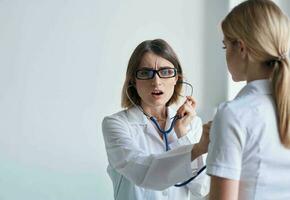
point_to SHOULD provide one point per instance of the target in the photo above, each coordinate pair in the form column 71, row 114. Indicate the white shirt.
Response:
column 139, row 166
column 245, row 145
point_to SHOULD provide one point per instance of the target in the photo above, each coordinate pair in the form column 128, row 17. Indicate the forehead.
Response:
column 150, row 60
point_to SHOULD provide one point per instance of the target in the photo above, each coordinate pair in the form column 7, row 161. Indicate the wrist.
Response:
column 180, row 132
column 197, row 151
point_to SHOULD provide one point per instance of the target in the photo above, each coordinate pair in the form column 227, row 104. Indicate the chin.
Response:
column 159, row 102
column 237, row 79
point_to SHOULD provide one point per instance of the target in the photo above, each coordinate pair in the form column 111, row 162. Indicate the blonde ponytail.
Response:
column 281, row 89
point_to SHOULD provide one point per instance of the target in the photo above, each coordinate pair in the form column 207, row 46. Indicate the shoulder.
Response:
column 130, row 116
column 115, row 126
column 245, row 109
column 228, row 109
column 120, row 114
column 119, row 117
column 230, row 120
column 240, row 108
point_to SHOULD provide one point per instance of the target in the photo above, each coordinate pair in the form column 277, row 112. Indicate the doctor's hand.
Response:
column 204, row 139
column 186, row 112
column 202, row 146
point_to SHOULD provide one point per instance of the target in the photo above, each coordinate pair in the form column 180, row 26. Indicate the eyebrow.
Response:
column 161, row 67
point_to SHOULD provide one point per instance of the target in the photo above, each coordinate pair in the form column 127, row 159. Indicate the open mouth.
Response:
column 157, row 92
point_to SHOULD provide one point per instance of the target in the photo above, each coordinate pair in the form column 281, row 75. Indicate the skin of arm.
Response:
column 202, row 146
column 223, row 189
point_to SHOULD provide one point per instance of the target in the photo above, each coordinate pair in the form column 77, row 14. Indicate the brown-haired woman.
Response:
column 140, row 165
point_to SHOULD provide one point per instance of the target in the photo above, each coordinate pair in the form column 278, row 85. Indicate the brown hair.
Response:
column 160, row 48
column 265, row 30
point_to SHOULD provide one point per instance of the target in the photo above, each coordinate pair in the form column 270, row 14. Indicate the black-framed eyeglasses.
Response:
column 148, row 73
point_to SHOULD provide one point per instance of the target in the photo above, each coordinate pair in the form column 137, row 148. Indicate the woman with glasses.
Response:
column 145, row 163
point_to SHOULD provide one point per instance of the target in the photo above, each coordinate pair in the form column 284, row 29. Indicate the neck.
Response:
column 160, row 112
column 256, row 71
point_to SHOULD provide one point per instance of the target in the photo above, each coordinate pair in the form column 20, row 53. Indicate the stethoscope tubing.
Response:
column 165, row 132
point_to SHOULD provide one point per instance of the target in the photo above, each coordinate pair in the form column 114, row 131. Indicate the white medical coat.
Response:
column 140, row 167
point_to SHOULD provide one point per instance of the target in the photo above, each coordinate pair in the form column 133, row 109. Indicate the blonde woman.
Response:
column 249, row 150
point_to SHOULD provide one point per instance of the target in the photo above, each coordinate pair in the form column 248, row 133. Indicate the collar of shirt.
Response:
column 262, row 87
column 136, row 116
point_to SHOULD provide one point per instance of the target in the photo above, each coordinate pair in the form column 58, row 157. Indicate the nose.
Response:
column 156, row 80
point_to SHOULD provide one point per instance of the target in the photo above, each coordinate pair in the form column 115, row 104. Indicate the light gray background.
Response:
column 62, row 66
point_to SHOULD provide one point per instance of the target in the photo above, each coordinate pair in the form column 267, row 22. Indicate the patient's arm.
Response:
column 223, row 189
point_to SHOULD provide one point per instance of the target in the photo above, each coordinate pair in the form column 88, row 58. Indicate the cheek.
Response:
column 142, row 88
column 171, row 85
column 229, row 59
column 139, row 87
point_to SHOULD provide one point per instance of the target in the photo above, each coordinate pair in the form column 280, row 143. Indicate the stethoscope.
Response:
column 165, row 132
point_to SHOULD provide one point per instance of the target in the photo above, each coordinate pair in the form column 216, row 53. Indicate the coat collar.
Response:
column 136, row 116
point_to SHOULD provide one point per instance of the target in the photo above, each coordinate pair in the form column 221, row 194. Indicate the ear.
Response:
column 242, row 48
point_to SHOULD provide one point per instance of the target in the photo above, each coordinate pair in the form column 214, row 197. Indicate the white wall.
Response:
column 62, row 65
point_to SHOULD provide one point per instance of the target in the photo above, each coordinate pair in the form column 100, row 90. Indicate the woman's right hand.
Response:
column 202, row 146
column 204, row 139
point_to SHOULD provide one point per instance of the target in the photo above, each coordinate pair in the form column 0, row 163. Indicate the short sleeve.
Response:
column 227, row 139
